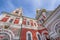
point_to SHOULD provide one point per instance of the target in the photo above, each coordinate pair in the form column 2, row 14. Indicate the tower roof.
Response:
column 17, row 12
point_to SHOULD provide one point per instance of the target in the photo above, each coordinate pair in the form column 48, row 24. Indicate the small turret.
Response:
column 17, row 12
column 41, row 12
column 44, row 13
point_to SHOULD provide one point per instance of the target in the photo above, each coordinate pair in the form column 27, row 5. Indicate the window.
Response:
column 31, row 21
column 5, row 18
column 16, row 21
column 29, row 35
column 11, row 20
column 38, row 36
column 42, row 20
column 35, row 24
column 27, row 22
column 24, row 22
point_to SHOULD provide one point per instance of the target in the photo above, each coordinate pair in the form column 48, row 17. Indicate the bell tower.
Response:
column 17, row 12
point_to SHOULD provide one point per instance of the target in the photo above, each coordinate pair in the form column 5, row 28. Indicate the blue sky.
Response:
column 29, row 6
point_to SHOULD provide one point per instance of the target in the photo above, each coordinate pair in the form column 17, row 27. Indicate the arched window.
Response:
column 29, row 35
column 28, row 23
column 38, row 36
column 45, row 35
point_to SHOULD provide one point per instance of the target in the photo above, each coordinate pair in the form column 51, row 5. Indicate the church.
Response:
column 16, row 26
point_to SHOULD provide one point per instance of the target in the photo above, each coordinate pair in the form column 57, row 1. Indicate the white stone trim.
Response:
column 56, row 24
column 43, row 36
column 53, row 35
column 27, row 35
column 23, row 26
column 53, row 25
column 53, row 31
column 44, row 32
column 35, row 28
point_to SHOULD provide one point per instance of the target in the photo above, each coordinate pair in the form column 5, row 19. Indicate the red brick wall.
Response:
column 24, row 31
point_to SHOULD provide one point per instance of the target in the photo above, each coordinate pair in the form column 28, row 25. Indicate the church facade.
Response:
column 15, row 26
column 51, row 21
